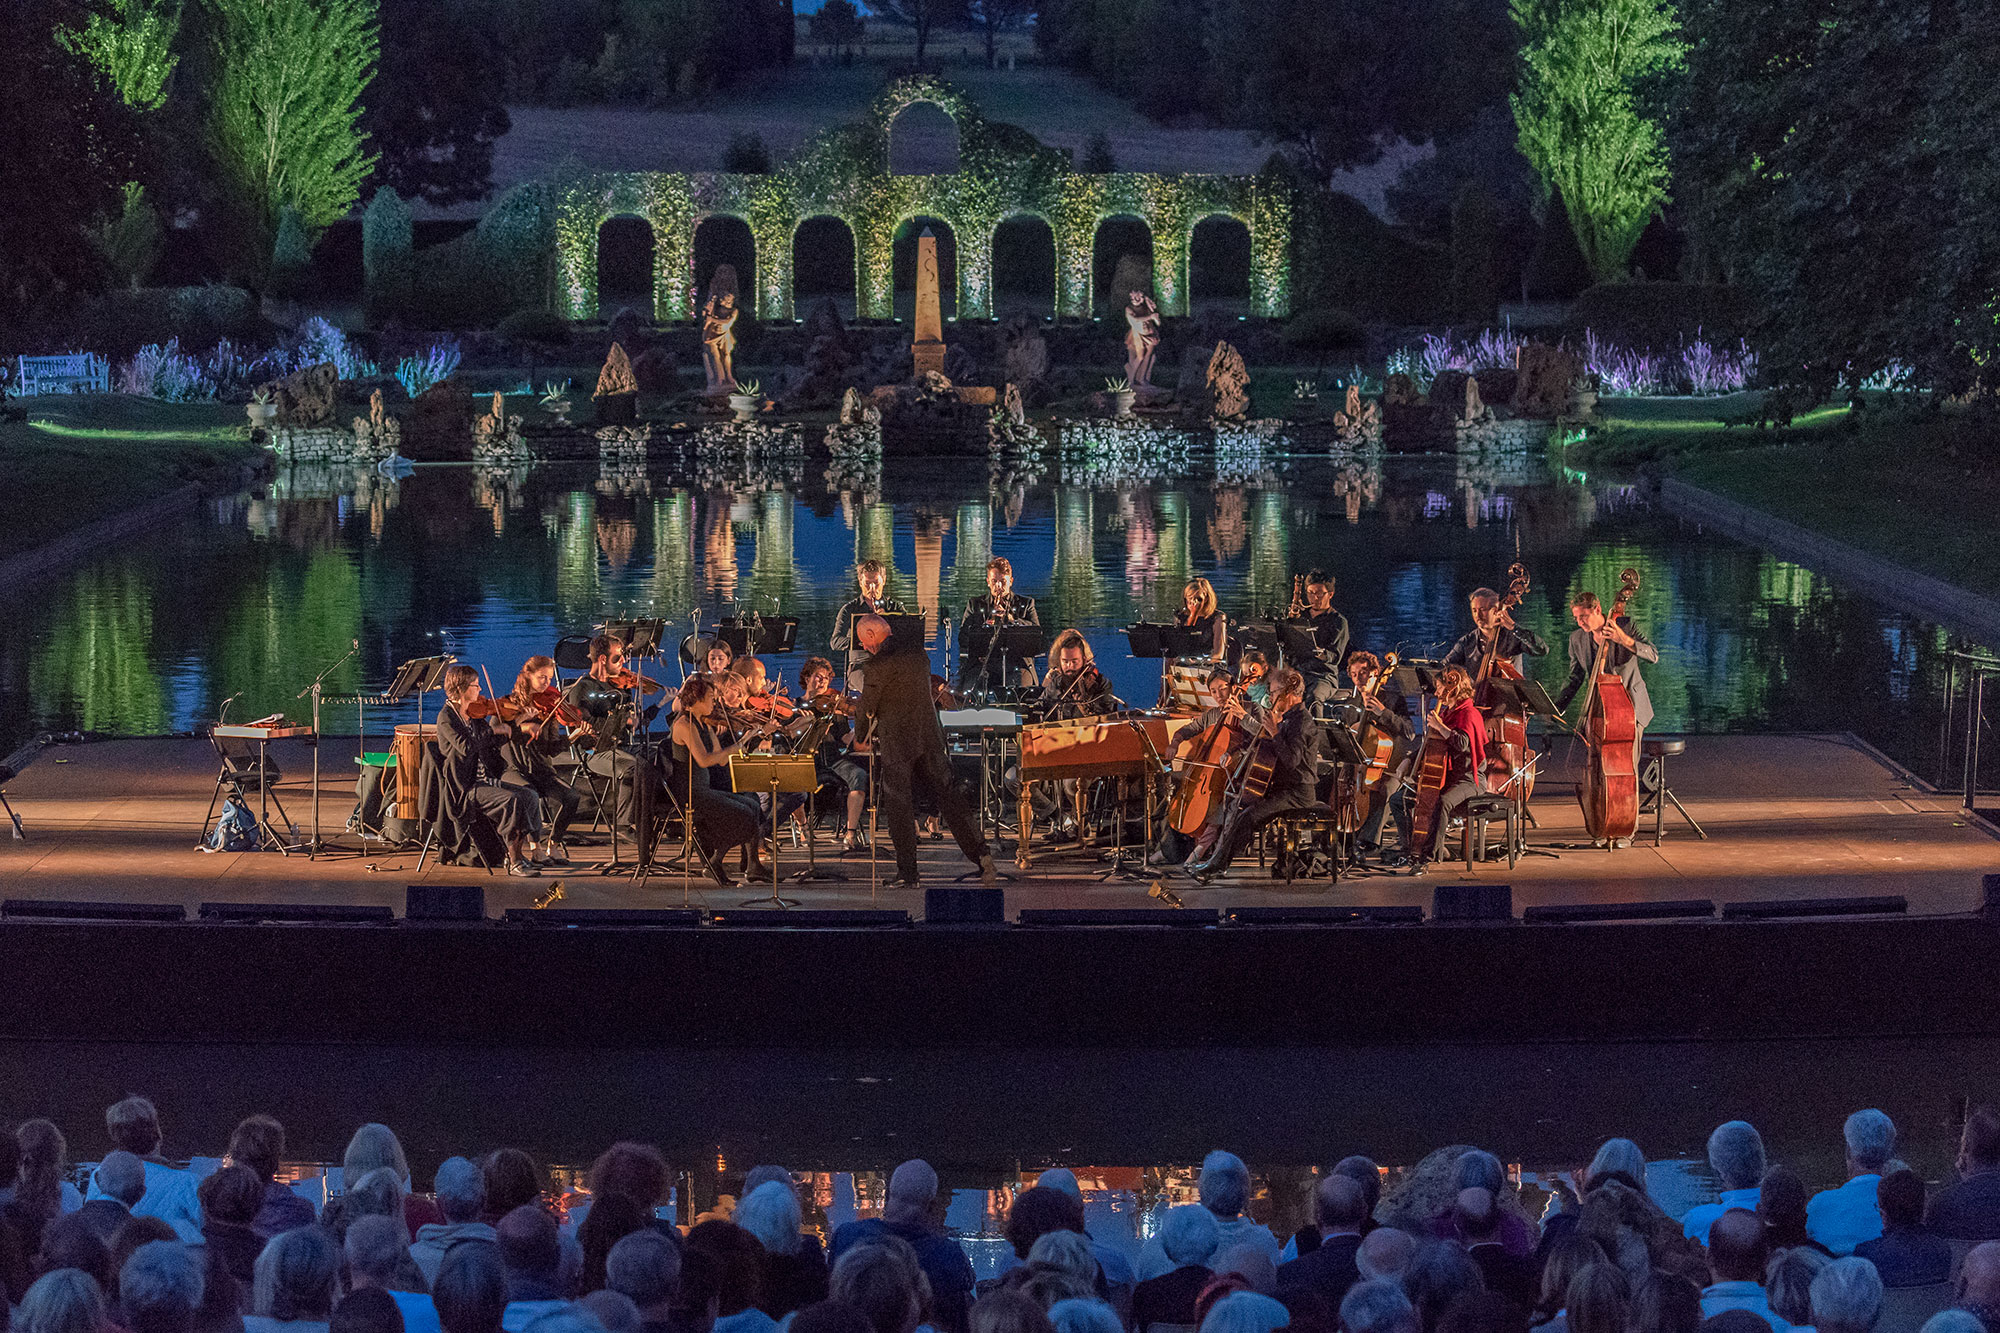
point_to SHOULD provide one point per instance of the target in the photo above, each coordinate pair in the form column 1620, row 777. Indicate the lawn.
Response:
column 79, row 459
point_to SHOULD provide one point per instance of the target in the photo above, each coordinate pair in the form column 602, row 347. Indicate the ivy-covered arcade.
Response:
column 844, row 173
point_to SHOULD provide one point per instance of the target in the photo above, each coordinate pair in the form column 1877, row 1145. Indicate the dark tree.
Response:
column 434, row 110
column 923, row 16
column 837, row 25
column 993, row 17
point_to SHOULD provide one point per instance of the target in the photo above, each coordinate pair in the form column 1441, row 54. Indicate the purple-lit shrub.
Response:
column 1717, row 369
column 435, row 366
column 164, row 371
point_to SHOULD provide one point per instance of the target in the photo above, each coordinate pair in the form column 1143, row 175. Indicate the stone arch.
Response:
column 1024, row 266
column 625, row 264
column 1117, row 235
column 823, row 264
column 1219, row 263
column 723, row 238
column 903, row 267
column 924, row 140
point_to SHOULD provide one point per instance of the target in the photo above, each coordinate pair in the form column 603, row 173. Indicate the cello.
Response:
column 1378, row 754
column 1507, row 724
column 1209, row 765
column 1608, row 791
column 1433, row 772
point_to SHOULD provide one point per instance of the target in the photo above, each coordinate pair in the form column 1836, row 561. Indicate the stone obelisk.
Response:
column 928, row 346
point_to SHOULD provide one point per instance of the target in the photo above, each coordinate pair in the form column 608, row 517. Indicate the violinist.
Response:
column 536, row 709
column 873, row 578
column 1076, row 688
column 1493, row 632
column 1458, row 725
column 602, row 697
column 471, row 746
column 840, row 758
column 1252, row 670
column 752, row 728
column 722, row 818
column 1200, row 616
column 1289, row 741
column 985, row 615
column 717, row 657
column 1627, row 649
column 1330, row 636
column 1384, row 712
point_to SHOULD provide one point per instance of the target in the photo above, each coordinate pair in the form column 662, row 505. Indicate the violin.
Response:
column 833, row 703
column 626, row 679
column 943, row 694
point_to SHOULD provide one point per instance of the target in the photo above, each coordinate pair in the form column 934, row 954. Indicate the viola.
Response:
column 1608, row 790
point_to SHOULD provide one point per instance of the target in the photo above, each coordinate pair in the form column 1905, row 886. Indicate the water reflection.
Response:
column 256, row 595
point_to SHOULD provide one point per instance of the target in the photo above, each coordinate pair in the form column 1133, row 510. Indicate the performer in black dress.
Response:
column 1200, row 617
column 981, row 665
column 533, row 745
column 700, row 779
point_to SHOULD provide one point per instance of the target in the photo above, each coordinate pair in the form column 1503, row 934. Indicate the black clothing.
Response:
column 1204, row 632
column 1327, row 1272
column 1515, row 1276
column 794, row 1281
column 844, row 639
column 1470, row 650
column 1294, row 785
column 104, row 1217
column 1086, row 693
column 1621, row 661
column 898, row 713
column 722, row 818
column 1170, row 1297
column 1330, row 635
column 1969, row 1210
column 606, row 710
column 977, row 667
column 528, row 765
column 473, row 764
column 236, row 1246
column 1908, row 1256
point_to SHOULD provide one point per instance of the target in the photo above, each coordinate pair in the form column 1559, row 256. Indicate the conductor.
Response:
column 898, row 710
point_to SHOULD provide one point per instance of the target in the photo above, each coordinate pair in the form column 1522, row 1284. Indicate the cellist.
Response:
column 1290, row 742
column 1493, row 632
column 1625, row 647
column 1386, row 714
column 1459, row 727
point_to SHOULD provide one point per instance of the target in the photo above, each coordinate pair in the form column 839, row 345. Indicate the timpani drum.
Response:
column 410, row 764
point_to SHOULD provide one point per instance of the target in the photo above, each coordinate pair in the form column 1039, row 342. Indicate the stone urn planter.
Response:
column 558, row 410
column 745, row 406
column 262, row 415
column 1121, row 401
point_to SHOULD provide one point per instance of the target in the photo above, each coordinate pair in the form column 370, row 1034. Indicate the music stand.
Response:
column 905, row 628
column 1150, row 638
column 1415, row 678
column 777, row 634
column 776, row 774
column 1193, row 690
column 1009, row 643
column 1267, row 636
column 418, row 676
column 641, row 637
column 1297, row 643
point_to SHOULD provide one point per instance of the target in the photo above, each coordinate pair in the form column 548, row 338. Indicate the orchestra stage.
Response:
column 1788, row 817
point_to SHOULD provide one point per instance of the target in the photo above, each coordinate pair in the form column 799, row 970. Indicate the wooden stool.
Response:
column 1478, row 812
column 1657, row 750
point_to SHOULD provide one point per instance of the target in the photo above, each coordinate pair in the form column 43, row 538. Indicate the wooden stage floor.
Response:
column 1787, row 817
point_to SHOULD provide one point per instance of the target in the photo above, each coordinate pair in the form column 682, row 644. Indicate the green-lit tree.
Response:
column 130, row 242
column 1580, row 120
column 286, row 106
column 132, row 41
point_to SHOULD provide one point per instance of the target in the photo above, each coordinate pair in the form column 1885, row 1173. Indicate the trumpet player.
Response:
column 982, row 663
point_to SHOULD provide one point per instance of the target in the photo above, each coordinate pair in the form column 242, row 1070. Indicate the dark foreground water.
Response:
column 256, row 595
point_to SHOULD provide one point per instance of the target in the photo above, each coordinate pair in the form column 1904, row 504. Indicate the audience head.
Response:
column 771, row 1213
column 461, row 1190
column 1953, row 1321
column 1484, row 1312
column 698, row 1291
column 375, row 1247
column 1846, row 1297
column 1617, row 1159
column 635, row 1170
column 258, row 1143
column 1385, row 1252
column 1061, row 1178
column 122, row 1176
column 1250, row 1262
column 377, row 1194
column 69, row 1242
column 1238, row 1312
column 1568, row 1257
column 1038, row 1211
column 1085, row 1316
column 159, row 1288
column 1738, row 1246
column 1781, row 1203
column 1979, row 1278
column 1363, row 1172
column 1377, row 1305
column 231, row 1195
column 512, row 1179
column 883, row 1280
column 1189, row 1234
column 617, row 1313
column 297, row 1276
column 1899, row 1197
column 913, row 1191
column 1478, row 1169
column 1736, row 1154
column 1871, row 1140
column 1340, row 1204
column 64, row 1300
column 529, row 1243
column 1438, row 1274
column 1224, row 1184
column 368, row 1310
column 1595, row 1302
column 741, row 1259
column 1788, row 1282
column 373, row 1148
column 1476, row 1215
column 134, row 1125
column 470, row 1289
column 1002, row 1311
column 1979, row 1141
column 646, row 1267
column 43, row 1163
column 1665, row 1303
column 611, row 1218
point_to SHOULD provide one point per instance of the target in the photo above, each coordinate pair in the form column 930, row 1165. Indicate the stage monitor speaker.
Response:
column 69, row 909
column 323, row 914
column 1472, row 902
column 444, row 902
column 1769, row 909
column 965, row 907
column 1656, row 910
column 867, row 918
column 679, row 917
column 1401, row 914
column 1185, row 918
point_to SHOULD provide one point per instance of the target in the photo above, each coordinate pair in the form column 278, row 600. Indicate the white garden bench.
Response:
column 73, row 372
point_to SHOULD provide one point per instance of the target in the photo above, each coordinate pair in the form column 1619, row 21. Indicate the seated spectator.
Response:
column 229, row 1199
column 1665, row 1303
column 470, row 1289
column 118, row 1183
column 378, row 1255
column 376, row 1148
column 532, row 1254
column 297, row 1283
column 741, row 1260
column 1439, row 1273
column 1384, row 1252
column 63, row 1300
column 1001, row 1311
column 616, row 1313
column 1736, row 1155
column 259, row 1143
column 1953, row 1321
column 912, row 1214
column 1188, row 1235
column 1596, row 1300
column 1737, row 1252
column 1377, row 1306
column 1781, row 1204
column 1424, row 1203
column 636, row 1171
column 366, row 1310
column 1114, row 1269
column 795, row 1273
column 1363, row 1172
column 1511, row 1275
column 1339, row 1207
column 1979, row 1283
column 1224, row 1189
column 1846, row 1297
column 882, row 1277
column 1970, row 1210
column 646, row 1267
column 1037, row 1211
column 1843, row 1217
column 1060, row 1267
column 1485, row 1312
column 610, row 1220
column 1084, row 1316
column 159, row 1287
column 377, row 1194
column 512, row 1181
column 1616, row 1159
column 461, row 1200
column 698, row 1293
column 134, row 1127
column 70, row 1243
column 1567, row 1257
column 1243, row 1312
column 1907, row 1253
column 1251, row 1263
column 39, row 1181
column 224, row 1300
column 1788, row 1277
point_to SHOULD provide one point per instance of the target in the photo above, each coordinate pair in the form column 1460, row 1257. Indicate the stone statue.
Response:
column 1228, row 384
column 1016, row 409
column 718, row 333
column 1142, row 341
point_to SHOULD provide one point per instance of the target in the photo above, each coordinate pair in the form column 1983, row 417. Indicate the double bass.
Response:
column 1506, row 723
column 1608, row 790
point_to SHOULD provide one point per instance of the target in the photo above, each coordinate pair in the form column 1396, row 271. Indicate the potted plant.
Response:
column 260, row 409
column 1122, row 396
column 555, row 401
column 745, row 402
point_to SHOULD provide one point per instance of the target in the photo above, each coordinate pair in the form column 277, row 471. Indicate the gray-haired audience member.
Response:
column 1242, row 1312
column 64, row 1301
column 297, row 1283
column 911, row 1214
column 1736, row 1155
column 1438, row 1274
column 1077, row 1316
column 615, row 1312
column 1189, row 1235
column 133, row 1125
column 1737, row 1250
column 461, row 1197
column 1250, row 1262
column 1617, row 1159
column 1112, row 1263
column 1377, row 1306
column 159, row 1288
column 771, row 1214
column 1224, row 1189
column 117, row 1185
column 1953, row 1321
column 1979, row 1283
column 1385, row 1252
column 645, row 1267
column 1846, row 1297
column 378, row 1255
column 1788, row 1279
column 1842, row 1217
